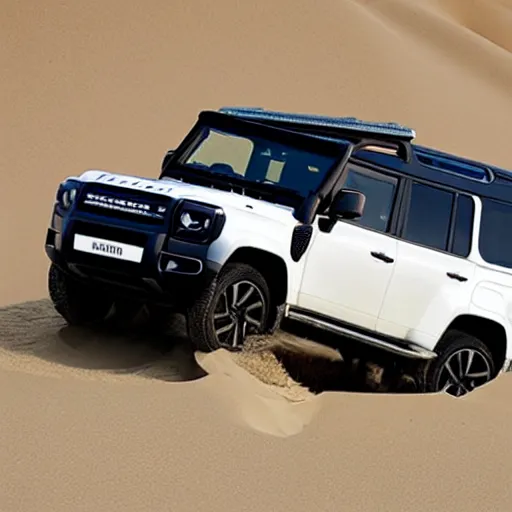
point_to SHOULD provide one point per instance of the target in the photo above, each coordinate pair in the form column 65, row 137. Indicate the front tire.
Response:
column 234, row 306
column 463, row 364
column 77, row 303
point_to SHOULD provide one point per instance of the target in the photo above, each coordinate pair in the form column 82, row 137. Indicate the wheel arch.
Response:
column 490, row 332
column 272, row 267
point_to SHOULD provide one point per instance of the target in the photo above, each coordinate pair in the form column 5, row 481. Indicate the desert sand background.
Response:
column 90, row 422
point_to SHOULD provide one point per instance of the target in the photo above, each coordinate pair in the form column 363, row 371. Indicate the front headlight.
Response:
column 197, row 222
column 191, row 221
column 67, row 193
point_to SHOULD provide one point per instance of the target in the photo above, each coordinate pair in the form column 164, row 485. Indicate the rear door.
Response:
column 432, row 276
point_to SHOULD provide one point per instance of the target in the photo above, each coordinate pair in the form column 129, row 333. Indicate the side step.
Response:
column 411, row 351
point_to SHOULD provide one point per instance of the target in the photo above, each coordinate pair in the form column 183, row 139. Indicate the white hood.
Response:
column 180, row 190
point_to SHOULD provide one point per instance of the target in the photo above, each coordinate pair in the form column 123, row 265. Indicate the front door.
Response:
column 347, row 271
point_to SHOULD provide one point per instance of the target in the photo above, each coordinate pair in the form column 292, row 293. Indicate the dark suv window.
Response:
column 379, row 190
column 429, row 216
column 429, row 219
column 495, row 242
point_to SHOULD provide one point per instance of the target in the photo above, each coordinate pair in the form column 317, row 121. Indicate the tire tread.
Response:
column 452, row 341
column 200, row 332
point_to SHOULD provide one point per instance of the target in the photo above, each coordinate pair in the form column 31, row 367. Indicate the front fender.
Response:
column 245, row 231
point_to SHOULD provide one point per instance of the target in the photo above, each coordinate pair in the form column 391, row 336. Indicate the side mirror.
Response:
column 347, row 204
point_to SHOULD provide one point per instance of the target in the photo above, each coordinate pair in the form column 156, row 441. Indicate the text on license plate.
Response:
column 108, row 248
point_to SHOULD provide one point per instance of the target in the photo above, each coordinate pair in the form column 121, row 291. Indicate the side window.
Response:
column 380, row 191
column 429, row 216
column 463, row 226
column 495, row 242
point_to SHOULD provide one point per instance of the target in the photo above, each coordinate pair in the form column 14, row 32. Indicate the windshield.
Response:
column 258, row 159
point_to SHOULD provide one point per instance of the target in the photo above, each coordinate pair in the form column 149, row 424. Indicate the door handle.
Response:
column 381, row 256
column 458, row 277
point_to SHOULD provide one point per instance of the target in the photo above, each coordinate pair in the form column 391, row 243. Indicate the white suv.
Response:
column 334, row 222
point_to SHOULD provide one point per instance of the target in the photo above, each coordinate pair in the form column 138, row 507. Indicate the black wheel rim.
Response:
column 240, row 310
column 464, row 371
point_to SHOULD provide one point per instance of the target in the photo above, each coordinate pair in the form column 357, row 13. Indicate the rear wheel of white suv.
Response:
column 234, row 306
column 463, row 364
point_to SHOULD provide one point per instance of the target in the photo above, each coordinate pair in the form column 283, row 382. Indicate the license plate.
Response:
column 108, row 248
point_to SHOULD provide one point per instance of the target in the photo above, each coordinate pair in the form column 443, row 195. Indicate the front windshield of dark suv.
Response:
column 260, row 159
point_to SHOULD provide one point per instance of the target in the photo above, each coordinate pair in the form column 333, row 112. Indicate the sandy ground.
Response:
column 94, row 421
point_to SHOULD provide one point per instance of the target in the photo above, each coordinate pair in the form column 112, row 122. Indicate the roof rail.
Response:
column 342, row 123
column 452, row 164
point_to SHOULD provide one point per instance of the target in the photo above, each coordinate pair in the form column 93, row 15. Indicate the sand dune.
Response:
column 89, row 85
column 92, row 421
column 102, row 421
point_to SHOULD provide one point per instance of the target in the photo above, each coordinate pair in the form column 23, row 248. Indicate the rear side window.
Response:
column 429, row 216
column 463, row 226
column 495, row 242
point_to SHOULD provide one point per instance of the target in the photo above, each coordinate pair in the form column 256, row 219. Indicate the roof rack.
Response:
column 452, row 164
column 349, row 124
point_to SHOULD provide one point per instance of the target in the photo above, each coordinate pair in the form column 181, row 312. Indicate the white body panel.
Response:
column 249, row 222
column 492, row 299
column 411, row 298
column 341, row 277
column 422, row 300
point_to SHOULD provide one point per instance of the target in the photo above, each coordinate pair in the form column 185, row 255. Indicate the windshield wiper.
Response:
column 276, row 187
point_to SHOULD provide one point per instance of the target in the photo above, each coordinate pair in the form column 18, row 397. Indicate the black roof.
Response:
column 414, row 160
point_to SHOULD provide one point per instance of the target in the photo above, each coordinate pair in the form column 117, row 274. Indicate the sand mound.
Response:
column 257, row 392
column 264, row 366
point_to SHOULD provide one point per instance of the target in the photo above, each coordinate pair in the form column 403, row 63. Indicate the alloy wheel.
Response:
column 463, row 371
column 240, row 311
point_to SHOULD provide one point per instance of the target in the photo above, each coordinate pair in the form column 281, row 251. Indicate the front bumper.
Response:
column 152, row 279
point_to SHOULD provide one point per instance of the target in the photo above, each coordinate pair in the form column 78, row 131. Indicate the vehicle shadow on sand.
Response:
column 35, row 329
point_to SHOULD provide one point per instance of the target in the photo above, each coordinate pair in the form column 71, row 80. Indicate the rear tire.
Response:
column 234, row 306
column 463, row 364
column 77, row 303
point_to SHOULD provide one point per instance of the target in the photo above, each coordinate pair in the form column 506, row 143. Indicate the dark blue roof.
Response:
column 426, row 163
column 450, row 170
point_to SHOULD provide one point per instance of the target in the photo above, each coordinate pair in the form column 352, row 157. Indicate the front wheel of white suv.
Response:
column 76, row 302
column 463, row 364
column 234, row 306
